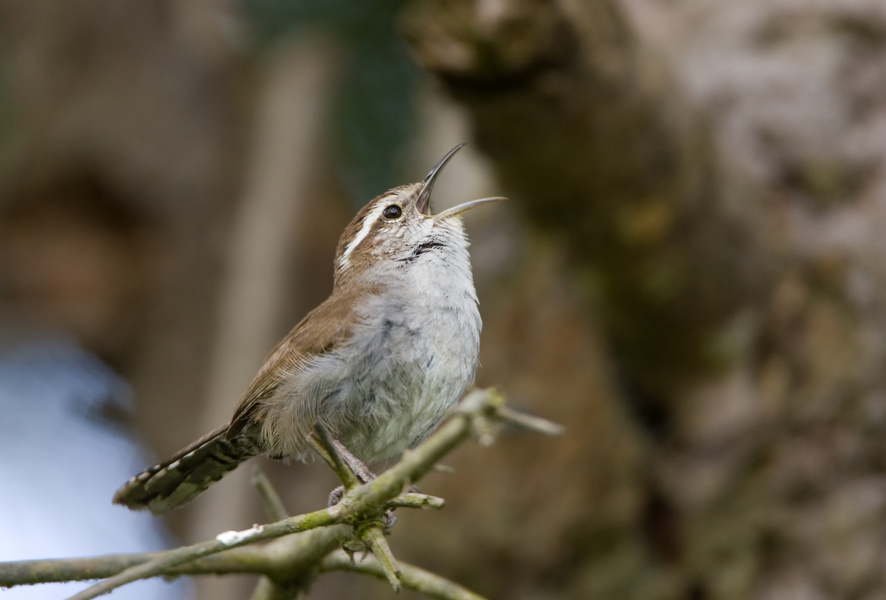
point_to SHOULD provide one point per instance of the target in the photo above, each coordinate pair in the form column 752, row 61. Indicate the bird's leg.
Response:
column 354, row 464
column 364, row 475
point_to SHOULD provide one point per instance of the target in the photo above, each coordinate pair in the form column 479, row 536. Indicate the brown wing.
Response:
column 321, row 331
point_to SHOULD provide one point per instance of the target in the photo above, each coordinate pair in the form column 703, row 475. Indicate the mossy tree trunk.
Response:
column 713, row 175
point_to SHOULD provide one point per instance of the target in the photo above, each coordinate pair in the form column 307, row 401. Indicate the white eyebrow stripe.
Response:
column 370, row 218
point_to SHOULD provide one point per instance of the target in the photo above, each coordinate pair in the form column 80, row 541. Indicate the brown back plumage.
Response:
column 322, row 330
column 180, row 478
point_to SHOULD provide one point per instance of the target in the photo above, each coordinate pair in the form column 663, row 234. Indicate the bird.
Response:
column 378, row 364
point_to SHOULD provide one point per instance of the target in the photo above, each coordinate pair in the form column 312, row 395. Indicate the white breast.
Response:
column 414, row 355
column 411, row 355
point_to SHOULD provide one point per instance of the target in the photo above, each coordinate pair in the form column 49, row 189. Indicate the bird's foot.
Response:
column 364, row 475
column 388, row 518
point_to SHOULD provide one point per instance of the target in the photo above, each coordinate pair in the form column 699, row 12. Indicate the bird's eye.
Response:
column 392, row 212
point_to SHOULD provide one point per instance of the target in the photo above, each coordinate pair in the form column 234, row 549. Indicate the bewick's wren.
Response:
column 377, row 364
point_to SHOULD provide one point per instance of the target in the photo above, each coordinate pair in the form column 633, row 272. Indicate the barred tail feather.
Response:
column 177, row 480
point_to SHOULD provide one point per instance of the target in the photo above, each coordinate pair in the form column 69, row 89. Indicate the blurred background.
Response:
column 689, row 275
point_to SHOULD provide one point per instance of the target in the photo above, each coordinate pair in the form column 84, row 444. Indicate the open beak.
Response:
column 457, row 210
column 423, row 204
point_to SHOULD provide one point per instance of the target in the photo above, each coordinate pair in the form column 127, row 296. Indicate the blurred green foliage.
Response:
column 373, row 112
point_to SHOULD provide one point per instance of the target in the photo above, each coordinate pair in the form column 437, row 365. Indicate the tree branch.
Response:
column 607, row 138
column 289, row 562
column 411, row 577
column 270, row 499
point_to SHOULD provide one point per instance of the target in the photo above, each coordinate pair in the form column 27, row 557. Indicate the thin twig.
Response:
column 378, row 545
column 280, row 558
column 270, row 498
column 230, row 539
column 530, row 422
column 416, row 500
column 412, row 577
column 267, row 588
